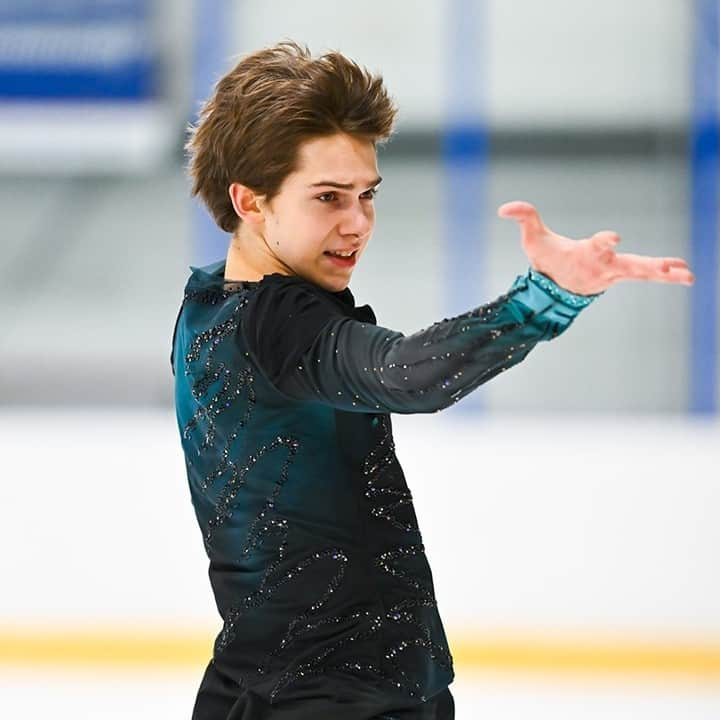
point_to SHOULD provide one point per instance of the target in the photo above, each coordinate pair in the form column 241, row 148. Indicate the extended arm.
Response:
column 361, row 367
column 366, row 368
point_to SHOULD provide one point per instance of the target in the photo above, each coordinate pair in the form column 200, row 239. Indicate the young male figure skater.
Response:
column 284, row 390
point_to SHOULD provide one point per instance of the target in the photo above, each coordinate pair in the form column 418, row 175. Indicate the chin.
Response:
column 326, row 283
column 333, row 283
column 338, row 285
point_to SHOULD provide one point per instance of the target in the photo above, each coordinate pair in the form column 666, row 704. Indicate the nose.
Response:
column 358, row 220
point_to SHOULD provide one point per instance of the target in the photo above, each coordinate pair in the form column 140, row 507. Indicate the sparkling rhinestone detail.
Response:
column 564, row 296
column 226, row 396
column 380, row 463
column 377, row 465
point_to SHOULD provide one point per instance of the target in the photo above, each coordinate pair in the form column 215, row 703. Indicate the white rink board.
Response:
column 559, row 522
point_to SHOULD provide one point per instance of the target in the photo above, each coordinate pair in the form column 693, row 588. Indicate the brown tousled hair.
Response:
column 250, row 129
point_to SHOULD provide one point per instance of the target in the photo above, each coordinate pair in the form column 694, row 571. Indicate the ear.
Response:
column 245, row 202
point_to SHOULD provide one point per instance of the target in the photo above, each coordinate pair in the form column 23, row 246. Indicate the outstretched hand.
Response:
column 590, row 265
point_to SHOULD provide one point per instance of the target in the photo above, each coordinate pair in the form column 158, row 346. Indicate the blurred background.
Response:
column 574, row 539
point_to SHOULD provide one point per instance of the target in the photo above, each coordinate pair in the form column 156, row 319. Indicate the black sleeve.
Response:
column 311, row 351
column 280, row 321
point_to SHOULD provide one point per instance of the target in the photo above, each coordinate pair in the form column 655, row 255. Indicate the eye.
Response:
column 326, row 197
column 370, row 194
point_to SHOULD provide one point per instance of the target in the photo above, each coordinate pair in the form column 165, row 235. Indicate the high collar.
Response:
column 213, row 275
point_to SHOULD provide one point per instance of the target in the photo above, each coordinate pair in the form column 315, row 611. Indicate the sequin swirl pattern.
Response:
column 273, row 577
column 268, row 529
column 488, row 313
column 232, row 383
column 268, row 523
column 392, row 499
column 417, row 367
column 380, row 459
column 379, row 462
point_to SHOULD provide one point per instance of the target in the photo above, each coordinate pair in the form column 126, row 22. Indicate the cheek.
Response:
column 316, row 225
column 303, row 231
column 306, row 236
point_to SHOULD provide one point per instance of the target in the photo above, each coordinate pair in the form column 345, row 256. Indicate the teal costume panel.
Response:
column 284, row 393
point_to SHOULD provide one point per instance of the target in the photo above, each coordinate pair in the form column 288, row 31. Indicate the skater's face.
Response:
column 324, row 207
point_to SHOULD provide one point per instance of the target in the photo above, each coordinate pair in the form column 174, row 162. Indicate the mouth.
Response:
column 341, row 259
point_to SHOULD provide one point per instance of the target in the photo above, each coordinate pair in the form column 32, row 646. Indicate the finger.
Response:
column 674, row 262
column 639, row 267
column 676, row 276
column 528, row 217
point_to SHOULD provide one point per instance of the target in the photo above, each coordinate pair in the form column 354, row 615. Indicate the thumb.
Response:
column 526, row 215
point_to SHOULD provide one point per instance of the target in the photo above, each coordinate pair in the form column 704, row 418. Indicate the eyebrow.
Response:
column 343, row 186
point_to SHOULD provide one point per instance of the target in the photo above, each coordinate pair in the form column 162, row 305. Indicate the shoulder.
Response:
column 278, row 297
column 281, row 317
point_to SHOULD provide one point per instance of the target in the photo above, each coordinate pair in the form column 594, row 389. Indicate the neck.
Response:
column 249, row 258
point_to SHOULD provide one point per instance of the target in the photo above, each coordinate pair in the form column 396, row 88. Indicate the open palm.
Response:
column 589, row 265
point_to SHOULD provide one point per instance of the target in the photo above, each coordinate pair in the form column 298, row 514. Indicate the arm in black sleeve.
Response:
column 361, row 367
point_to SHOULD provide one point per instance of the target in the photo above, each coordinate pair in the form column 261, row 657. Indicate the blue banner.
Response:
column 704, row 148
column 92, row 50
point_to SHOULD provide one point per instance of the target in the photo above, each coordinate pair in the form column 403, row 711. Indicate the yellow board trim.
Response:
column 182, row 649
column 589, row 656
